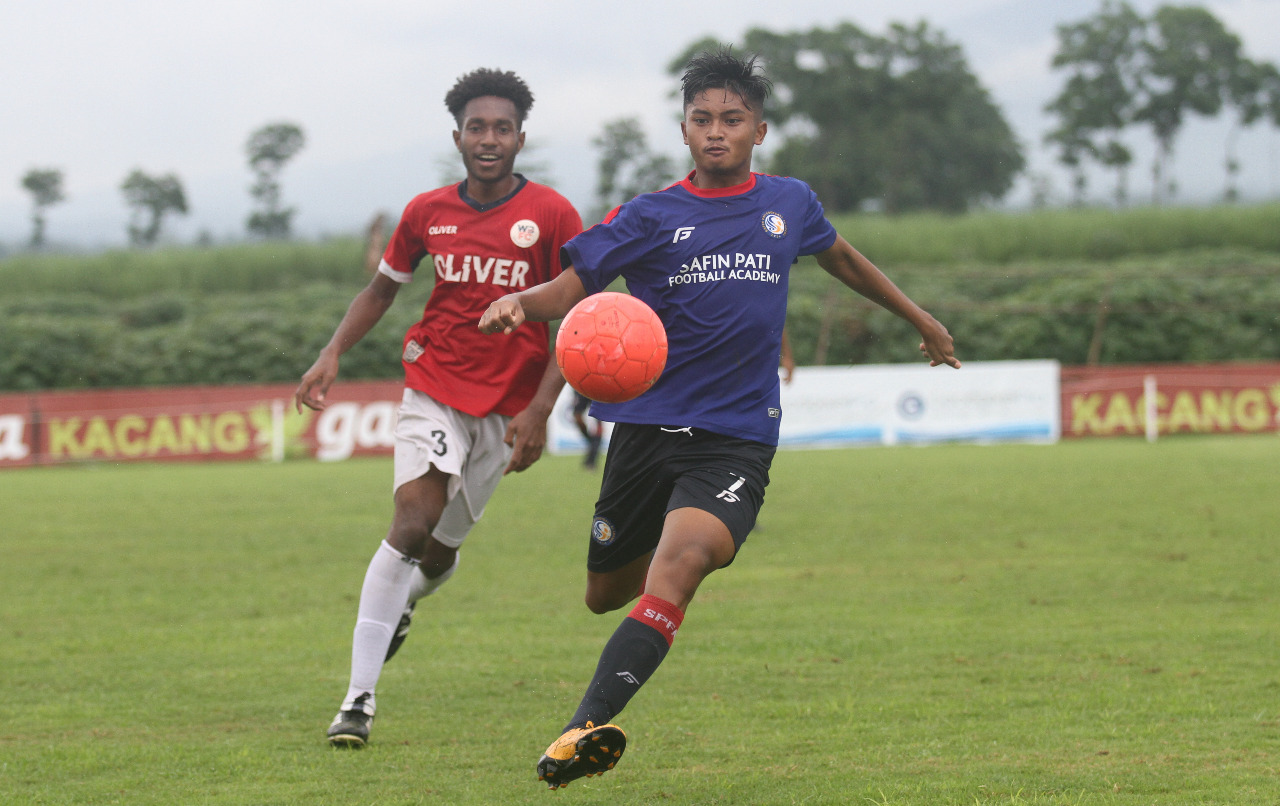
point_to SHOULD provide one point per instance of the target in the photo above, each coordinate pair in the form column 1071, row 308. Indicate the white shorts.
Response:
column 470, row 449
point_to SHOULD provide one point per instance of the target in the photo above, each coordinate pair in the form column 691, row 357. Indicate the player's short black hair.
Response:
column 720, row 69
column 482, row 82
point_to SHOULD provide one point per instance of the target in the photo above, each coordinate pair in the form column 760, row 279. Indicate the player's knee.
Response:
column 606, row 600
column 409, row 538
column 437, row 558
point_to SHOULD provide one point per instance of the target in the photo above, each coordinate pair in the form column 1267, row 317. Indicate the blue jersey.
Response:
column 714, row 264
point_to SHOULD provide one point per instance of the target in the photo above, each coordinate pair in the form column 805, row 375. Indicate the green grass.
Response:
column 1088, row 623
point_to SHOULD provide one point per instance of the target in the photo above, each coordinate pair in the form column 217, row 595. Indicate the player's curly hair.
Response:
column 720, row 69
column 482, row 82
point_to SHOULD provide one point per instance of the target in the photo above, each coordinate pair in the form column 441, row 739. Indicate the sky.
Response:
column 98, row 89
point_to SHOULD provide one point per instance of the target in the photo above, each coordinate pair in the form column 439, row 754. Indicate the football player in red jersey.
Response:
column 472, row 411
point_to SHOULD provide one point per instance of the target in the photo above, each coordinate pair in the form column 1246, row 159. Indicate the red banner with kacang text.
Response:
column 1189, row 399
column 195, row 423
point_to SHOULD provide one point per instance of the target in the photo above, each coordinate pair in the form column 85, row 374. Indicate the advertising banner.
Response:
column 889, row 404
column 194, row 423
column 998, row 401
column 1152, row 400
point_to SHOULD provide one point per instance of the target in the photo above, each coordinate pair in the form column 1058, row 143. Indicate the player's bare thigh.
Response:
column 694, row 543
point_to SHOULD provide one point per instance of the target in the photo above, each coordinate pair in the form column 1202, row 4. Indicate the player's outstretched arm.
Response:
column 848, row 265
column 363, row 313
column 542, row 303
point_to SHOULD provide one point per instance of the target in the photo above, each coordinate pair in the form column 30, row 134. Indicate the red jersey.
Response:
column 478, row 253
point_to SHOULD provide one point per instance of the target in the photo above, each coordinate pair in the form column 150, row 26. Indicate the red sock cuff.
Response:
column 658, row 614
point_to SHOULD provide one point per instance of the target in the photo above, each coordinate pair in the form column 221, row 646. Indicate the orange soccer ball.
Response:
column 611, row 347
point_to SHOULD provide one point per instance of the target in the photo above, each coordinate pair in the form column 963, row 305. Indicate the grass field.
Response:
column 1095, row 622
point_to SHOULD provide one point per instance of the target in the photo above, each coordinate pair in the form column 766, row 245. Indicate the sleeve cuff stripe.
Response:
column 398, row 276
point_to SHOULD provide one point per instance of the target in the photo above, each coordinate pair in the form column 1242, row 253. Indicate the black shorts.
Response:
column 651, row 470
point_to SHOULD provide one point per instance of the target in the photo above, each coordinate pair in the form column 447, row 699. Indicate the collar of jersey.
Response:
column 714, row 193
column 484, row 208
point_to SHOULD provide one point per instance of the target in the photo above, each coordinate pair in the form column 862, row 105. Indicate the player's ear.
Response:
column 457, row 140
column 762, row 128
column 520, row 141
column 684, row 133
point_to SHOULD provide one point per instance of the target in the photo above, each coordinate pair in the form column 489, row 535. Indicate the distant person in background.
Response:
column 474, row 408
column 689, row 459
column 592, row 430
column 786, row 358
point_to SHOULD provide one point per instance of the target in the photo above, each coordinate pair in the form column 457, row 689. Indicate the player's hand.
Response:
column 315, row 384
column 527, row 436
column 788, row 367
column 504, row 315
column 938, row 346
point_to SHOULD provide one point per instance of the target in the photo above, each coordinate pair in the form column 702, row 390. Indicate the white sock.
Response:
column 420, row 586
column 382, row 599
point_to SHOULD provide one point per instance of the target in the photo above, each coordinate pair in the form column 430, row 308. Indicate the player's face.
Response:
column 721, row 131
column 488, row 142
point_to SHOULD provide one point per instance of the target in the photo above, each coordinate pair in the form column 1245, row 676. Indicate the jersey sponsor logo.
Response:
column 602, row 532
column 524, row 233
column 474, row 268
column 412, row 351
column 774, row 224
column 730, row 494
column 443, row 229
column 774, row 412
column 756, row 267
column 682, row 234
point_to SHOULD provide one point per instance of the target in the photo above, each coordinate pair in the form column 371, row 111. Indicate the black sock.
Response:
column 629, row 659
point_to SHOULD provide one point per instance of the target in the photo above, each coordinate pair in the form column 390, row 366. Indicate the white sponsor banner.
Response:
column 891, row 404
column 563, row 435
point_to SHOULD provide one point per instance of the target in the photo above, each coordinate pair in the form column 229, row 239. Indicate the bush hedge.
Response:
column 260, row 314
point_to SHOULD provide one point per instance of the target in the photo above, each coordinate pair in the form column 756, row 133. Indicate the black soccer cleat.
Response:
column 350, row 729
column 581, row 753
column 402, row 632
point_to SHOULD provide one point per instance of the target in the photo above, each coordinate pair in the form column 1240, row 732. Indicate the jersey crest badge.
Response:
column 602, row 532
column 525, row 233
column 412, row 351
column 773, row 224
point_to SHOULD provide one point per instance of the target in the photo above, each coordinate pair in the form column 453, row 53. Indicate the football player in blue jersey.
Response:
column 689, row 459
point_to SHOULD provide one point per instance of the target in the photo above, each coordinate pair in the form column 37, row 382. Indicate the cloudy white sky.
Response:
column 97, row 89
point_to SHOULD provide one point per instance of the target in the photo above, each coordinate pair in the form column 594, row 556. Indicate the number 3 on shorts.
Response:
column 441, row 448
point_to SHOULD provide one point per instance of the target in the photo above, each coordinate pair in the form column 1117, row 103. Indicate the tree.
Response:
column 269, row 148
column 1253, row 90
column 1190, row 57
column 626, row 166
column 898, row 119
column 45, row 187
column 1098, row 100
column 151, row 199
